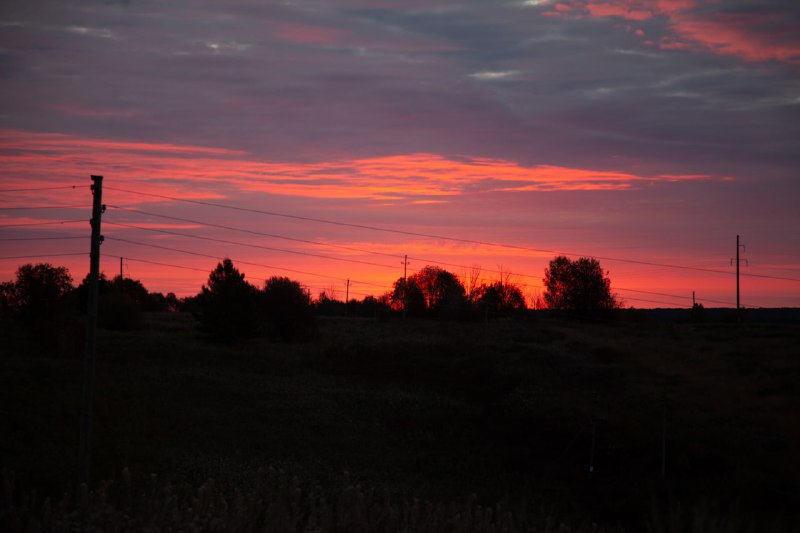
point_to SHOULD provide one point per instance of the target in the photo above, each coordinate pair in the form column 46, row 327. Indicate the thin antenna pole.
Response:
column 347, row 296
column 85, row 436
column 405, row 285
column 737, row 273
column 664, row 435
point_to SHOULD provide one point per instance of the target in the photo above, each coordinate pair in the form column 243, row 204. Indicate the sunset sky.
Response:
column 325, row 140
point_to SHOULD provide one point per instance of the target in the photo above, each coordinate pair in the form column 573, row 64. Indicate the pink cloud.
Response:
column 628, row 10
column 308, row 33
column 205, row 173
column 321, row 35
column 768, row 35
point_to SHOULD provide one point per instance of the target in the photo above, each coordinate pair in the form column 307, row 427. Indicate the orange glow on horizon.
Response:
column 379, row 184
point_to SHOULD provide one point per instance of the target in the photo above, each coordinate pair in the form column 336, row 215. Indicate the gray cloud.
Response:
column 306, row 80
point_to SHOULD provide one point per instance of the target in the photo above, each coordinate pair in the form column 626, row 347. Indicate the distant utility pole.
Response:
column 694, row 302
column 405, row 284
column 120, row 267
column 347, row 296
column 738, row 261
column 98, row 208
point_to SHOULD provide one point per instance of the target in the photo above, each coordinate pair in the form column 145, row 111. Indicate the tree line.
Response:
column 42, row 298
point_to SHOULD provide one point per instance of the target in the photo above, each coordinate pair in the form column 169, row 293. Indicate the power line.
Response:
column 226, row 241
column 670, row 295
column 307, row 241
column 429, row 261
column 259, row 233
column 41, row 188
column 42, row 223
column 319, row 243
column 444, row 237
column 217, row 258
column 45, row 256
column 41, row 238
column 656, row 302
column 158, row 263
column 32, row 207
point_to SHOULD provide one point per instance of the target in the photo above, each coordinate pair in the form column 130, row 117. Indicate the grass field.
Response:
column 509, row 412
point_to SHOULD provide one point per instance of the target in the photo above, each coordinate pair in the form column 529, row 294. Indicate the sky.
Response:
column 328, row 140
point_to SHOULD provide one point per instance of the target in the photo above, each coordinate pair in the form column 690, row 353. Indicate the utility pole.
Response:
column 738, row 261
column 120, row 268
column 405, row 284
column 664, row 434
column 694, row 302
column 347, row 296
column 84, row 457
column 737, row 273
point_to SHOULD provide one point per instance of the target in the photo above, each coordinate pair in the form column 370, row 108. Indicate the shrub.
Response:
column 226, row 306
column 288, row 308
column 579, row 285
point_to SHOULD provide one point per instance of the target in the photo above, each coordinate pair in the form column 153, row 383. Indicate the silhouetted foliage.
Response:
column 288, row 308
column 443, row 292
column 698, row 313
column 227, row 304
column 579, row 285
column 407, row 294
column 121, row 302
column 7, row 289
column 36, row 292
column 39, row 298
column 119, row 311
column 371, row 307
column 133, row 288
column 157, row 301
column 500, row 298
column 327, row 305
column 432, row 291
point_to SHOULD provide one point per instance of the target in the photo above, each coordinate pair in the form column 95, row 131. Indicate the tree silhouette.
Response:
column 500, row 298
column 432, row 290
column 288, row 307
column 36, row 292
column 407, row 294
column 39, row 299
column 227, row 304
column 442, row 290
column 579, row 285
column 133, row 288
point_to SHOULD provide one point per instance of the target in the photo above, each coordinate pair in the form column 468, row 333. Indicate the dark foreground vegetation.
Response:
column 416, row 425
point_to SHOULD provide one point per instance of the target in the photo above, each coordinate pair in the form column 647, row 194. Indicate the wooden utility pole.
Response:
column 664, row 435
column 738, row 261
column 84, row 444
column 405, row 284
column 120, row 268
column 737, row 273
column 346, row 296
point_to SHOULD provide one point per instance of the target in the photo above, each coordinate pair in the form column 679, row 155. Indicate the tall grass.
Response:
column 277, row 501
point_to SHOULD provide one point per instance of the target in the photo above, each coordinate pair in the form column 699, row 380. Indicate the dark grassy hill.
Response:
column 513, row 412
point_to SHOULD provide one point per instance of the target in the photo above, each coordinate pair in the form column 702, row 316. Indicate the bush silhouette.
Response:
column 287, row 307
column 226, row 305
column 407, row 295
column 37, row 291
column 432, row 291
column 500, row 298
column 39, row 300
column 579, row 285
